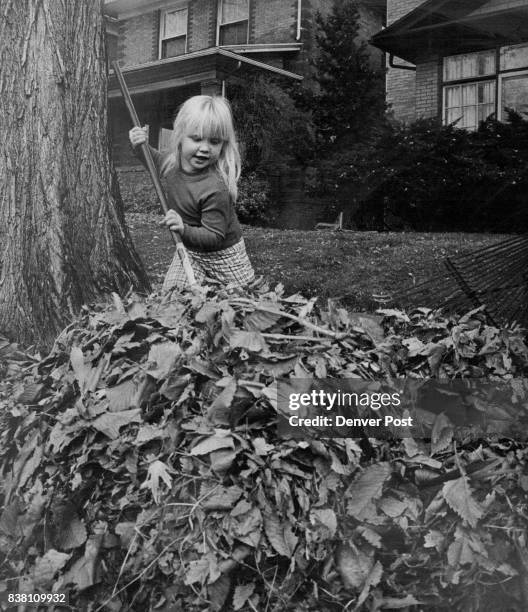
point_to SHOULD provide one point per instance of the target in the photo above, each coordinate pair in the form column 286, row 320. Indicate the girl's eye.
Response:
column 195, row 138
column 215, row 141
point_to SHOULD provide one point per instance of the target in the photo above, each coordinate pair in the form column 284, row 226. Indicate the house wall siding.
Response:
column 428, row 89
column 274, row 21
column 401, row 84
column 139, row 39
column 202, row 25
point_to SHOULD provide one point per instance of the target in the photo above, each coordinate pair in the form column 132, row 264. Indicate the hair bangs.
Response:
column 209, row 121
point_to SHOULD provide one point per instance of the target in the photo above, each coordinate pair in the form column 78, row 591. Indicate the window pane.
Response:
column 452, row 70
column 486, row 92
column 165, row 141
column 469, row 118
column 175, row 23
column 173, row 47
column 485, row 111
column 452, row 96
column 453, row 114
column 514, row 56
column 486, row 63
column 468, row 65
column 468, row 94
column 234, row 10
column 515, row 93
column 471, row 103
column 234, row 34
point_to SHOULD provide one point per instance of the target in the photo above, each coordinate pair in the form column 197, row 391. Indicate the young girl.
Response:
column 201, row 175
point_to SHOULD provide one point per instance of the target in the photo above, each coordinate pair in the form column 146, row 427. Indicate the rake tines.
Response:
column 495, row 277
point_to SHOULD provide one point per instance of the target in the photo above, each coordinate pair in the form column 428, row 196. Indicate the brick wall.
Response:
column 275, row 21
column 202, row 25
column 139, row 39
column 401, row 84
column 428, row 89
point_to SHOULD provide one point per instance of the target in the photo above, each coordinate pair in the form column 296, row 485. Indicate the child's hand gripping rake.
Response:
column 180, row 248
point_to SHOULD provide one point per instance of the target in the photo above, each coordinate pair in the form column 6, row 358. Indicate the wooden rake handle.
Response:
column 151, row 167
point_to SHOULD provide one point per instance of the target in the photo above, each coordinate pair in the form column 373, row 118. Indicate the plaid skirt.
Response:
column 227, row 266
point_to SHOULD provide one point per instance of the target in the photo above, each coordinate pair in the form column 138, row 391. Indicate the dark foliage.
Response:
column 253, row 204
column 430, row 177
column 269, row 125
column 351, row 96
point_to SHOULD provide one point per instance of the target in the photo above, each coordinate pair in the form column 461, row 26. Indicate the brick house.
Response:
column 460, row 61
column 172, row 49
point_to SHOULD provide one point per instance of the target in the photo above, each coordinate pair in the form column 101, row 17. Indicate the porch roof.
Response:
column 199, row 66
column 445, row 27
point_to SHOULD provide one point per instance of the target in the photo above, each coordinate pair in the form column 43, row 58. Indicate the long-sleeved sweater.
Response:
column 203, row 201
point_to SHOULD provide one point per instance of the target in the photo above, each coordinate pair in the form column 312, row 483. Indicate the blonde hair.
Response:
column 208, row 116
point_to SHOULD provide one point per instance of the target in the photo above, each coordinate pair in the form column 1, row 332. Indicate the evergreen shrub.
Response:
column 253, row 204
column 430, row 177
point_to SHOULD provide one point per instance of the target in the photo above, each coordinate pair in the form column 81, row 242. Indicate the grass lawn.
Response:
column 347, row 265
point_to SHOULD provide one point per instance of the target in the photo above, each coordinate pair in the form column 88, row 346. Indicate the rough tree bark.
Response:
column 63, row 239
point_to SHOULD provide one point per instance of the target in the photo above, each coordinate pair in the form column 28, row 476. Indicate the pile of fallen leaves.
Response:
column 141, row 467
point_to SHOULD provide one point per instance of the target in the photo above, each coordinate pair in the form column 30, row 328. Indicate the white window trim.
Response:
column 219, row 25
column 163, row 15
column 500, row 77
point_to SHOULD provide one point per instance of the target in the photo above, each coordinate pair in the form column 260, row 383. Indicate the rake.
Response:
column 495, row 277
column 176, row 238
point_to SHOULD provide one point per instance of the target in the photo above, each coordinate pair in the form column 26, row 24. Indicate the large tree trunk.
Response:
column 63, row 239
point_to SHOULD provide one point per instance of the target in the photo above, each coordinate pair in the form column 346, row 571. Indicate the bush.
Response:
column 269, row 125
column 437, row 178
column 253, row 204
column 350, row 100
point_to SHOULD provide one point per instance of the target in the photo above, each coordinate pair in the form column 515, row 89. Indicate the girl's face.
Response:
column 198, row 152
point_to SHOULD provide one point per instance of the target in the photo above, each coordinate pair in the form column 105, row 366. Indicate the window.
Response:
column 469, row 65
column 469, row 104
column 514, row 93
column 514, row 57
column 471, row 81
column 233, row 20
column 165, row 139
column 513, row 83
column 173, row 33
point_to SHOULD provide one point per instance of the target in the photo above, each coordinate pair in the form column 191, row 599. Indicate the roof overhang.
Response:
column 446, row 27
column 208, row 64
